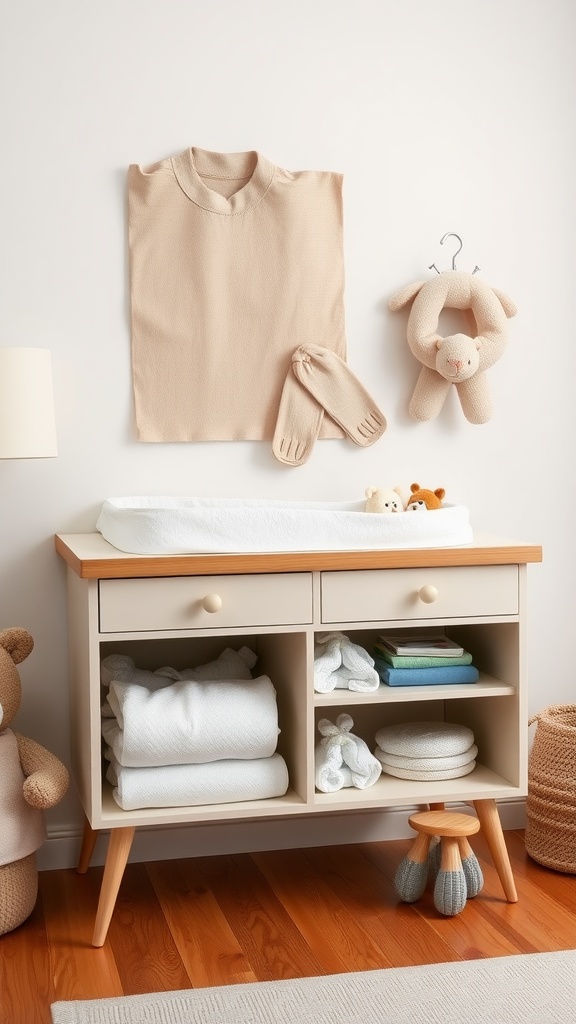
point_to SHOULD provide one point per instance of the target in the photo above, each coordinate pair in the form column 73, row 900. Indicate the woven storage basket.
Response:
column 551, row 803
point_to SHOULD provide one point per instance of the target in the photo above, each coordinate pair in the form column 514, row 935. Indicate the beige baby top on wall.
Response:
column 234, row 264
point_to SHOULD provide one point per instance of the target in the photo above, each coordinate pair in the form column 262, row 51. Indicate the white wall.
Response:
column 443, row 116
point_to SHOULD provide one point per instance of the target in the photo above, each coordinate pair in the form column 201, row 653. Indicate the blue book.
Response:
column 425, row 676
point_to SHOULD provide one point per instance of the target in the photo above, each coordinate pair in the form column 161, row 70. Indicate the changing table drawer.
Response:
column 389, row 594
column 204, row 602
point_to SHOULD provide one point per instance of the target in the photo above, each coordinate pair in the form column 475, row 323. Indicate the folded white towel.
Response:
column 342, row 759
column 191, row 722
column 340, row 664
column 425, row 739
column 190, row 784
column 426, row 764
column 229, row 664
column 121, row 668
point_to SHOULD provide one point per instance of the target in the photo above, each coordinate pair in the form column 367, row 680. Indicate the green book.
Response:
column 418, row 661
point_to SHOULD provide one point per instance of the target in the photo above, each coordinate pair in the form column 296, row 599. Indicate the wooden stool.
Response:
column 459, row 876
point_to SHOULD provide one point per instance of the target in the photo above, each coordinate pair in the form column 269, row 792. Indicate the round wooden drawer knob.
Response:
column 212, row 603
column 428, row 594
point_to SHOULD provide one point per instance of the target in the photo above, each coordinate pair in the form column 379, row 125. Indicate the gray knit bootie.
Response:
column 450, row 892
column 412, row 872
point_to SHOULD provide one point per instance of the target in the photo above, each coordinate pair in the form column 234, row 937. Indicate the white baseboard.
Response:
column 62, row 846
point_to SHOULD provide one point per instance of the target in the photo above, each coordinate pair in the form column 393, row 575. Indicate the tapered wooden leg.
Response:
column 418, row 852
column 116, row 858
column 450, row 854
column 89, row 838
column 492, row 828
column 465, row 848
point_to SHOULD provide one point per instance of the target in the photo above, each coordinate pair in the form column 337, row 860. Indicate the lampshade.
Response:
column 27, row 423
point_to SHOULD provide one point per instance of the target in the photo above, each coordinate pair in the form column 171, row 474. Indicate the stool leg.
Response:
column 412, row 874
column 450, row 888
column 434, row 855
column 492, row 827
column 470, row 867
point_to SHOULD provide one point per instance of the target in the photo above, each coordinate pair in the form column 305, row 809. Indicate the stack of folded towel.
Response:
column 426, row 751
column 340, row 664
column 342, row 759
column 420, row 670
column 203, row 735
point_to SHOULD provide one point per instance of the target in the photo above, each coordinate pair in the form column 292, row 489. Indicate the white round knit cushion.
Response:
column 409, row 773
column 425, row 739
column 427, row 764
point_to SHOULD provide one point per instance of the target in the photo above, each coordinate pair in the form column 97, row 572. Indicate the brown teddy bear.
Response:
column 420, row 499
column 31, row 780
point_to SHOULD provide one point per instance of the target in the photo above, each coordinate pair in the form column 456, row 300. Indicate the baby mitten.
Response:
column 320, row 381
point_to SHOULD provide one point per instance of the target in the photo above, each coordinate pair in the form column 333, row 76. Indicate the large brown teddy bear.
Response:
column 31, row 780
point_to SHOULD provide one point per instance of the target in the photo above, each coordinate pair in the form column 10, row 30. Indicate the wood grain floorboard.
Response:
column 470, row 935
column 26, row 986
column 558, row 886
column 534, row 913
column 370, row 896
column 265, row 930
column 265, row 916
column 69, row 902
column 340, row 941
column 140, row 938
column 208, row 948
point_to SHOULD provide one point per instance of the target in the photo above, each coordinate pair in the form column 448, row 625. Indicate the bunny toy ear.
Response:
column 327, row 728
column 344, row 723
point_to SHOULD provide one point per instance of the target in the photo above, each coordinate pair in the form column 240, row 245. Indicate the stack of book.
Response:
column 422, row 660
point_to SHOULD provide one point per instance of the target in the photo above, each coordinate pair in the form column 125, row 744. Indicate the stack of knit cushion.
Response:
column 426, row 751
column 196, row 736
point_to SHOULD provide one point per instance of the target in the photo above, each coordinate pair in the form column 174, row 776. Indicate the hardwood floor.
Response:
column 262, row 916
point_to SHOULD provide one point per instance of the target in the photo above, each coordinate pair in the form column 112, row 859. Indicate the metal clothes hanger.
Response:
column 451, row 234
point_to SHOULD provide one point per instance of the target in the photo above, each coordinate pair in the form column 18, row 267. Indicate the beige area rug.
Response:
column 538, row 988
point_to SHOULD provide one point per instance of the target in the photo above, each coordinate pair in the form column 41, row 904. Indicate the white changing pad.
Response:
column 172, row 525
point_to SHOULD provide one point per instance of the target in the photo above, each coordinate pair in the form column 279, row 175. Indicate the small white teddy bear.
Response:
column 381, row 499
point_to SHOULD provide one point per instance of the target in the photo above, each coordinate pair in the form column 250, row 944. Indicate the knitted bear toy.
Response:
column 460, row 360
column 31, row 780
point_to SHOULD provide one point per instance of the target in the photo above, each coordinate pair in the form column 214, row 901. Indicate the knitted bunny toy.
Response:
column 343, row 759
column 31, row 780
column 460, row 360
